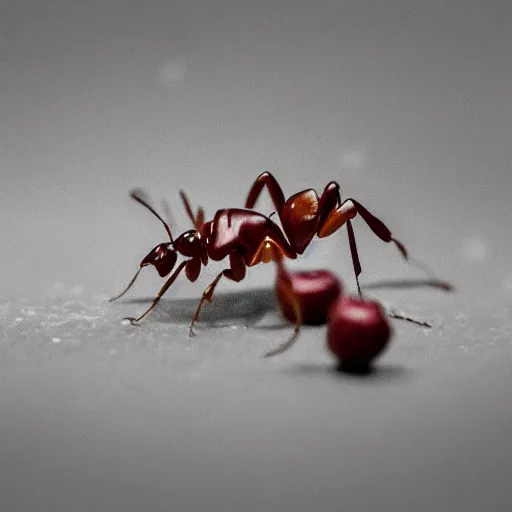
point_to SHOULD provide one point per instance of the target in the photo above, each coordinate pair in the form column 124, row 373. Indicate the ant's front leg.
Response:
column 158, row 296
column 236, row 272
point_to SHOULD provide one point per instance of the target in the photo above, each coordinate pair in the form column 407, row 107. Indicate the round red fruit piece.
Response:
column 358, row 331
column 315, row 290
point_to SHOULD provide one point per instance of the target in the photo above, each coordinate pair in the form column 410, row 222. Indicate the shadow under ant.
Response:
column 250, row 306
column 409, row 283
column 247, row 307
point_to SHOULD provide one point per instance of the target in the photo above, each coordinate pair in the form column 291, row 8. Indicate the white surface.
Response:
column 116, row 417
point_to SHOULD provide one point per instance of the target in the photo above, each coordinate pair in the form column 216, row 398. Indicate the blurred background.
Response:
column 407, row 105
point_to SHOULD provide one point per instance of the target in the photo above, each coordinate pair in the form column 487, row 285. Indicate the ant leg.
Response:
column 348, row 210
column 158, row 296
column 274, row 189
column 383, row 232
column 379, row 228
column 334, row 221
column 130, row 284
column 355, row 255
column 200, row 218
column 329, row 201
column 392, row 314
column 207, row 296
column 196, row 221
column 235, row 273
column 288, row 290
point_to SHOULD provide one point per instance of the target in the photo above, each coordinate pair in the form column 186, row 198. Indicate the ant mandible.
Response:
column 245, row 236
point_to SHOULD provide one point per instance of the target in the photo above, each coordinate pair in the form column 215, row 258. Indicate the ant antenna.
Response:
column 141, row 197
column 168, row 213
column 130, row 284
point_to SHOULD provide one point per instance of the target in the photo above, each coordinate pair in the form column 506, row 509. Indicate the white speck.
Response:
column 125, row 322
column 56, row 340
column 31, row 312
column 474, row 250
column 19, row 319
column 173, row 72
column 354, row 159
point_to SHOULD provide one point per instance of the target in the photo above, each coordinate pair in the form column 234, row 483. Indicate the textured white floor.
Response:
column 97, row 415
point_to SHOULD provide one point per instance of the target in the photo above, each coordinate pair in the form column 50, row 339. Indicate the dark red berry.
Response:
column 315, row 290
column 358, row 331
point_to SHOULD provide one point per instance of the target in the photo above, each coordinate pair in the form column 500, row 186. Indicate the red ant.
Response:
column 245, row 236
column 249, row 238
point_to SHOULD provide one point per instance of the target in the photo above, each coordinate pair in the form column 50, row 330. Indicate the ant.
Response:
column 245, row 236
column 249, row 238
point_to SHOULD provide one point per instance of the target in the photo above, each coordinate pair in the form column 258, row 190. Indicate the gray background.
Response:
column 407, row 104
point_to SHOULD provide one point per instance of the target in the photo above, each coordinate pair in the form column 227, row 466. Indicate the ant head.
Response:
column 189, row 243
column 163, row 257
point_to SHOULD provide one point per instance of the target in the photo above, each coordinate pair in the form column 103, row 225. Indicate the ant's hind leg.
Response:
column 265, row 179
column 334, row 221
column 379, row 228
column 355, row 255
column 419, row 323
column 383, row 232
column 236, row 272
